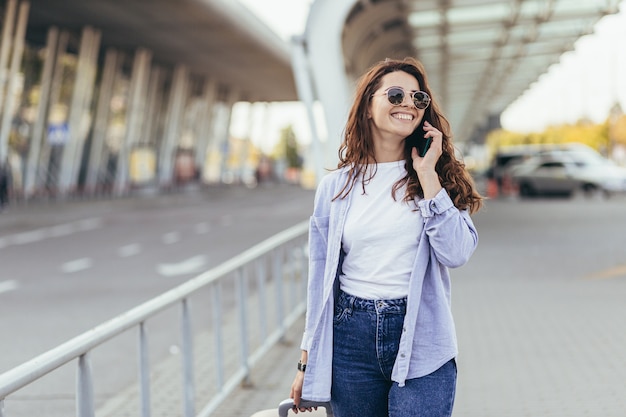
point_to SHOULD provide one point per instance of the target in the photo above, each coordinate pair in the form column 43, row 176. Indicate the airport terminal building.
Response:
column 103, row 96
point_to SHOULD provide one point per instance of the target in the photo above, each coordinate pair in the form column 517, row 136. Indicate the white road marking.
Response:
column 29, row 237
column 62, row 230
column 189, row 266
column 202, row 228
column 7, row 286
column 129, row 250
column 76, row 265
column 38, row 235
column 90, row 224
column 170, row 238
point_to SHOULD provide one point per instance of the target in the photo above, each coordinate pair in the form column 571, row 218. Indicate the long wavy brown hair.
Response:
column 357, row 148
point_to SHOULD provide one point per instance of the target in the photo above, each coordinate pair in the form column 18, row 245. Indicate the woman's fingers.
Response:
column 431, row 131
column 296, row 392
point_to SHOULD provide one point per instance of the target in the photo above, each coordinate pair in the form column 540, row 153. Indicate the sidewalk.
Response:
column 271, row 379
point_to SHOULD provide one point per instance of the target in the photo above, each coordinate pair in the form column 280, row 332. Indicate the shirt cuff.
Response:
column 305, row 344
column 436, row 205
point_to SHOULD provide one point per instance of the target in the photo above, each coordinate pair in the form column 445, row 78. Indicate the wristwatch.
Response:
column 301, row 366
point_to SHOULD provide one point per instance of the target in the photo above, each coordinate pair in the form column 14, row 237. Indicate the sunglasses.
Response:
column 395, row 95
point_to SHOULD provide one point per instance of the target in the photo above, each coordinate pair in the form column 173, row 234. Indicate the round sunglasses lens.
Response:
column 395, row 96
column 421, row 99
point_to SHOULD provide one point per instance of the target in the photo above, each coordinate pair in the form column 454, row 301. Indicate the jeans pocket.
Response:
column 341, row 314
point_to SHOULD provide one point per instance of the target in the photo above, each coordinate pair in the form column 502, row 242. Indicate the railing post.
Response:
column 1, row 408
column 243, row 323
column 261, row 273
column 84, row 388
column 217, row 330
column 293, row 273
column 188, row 382
column 144, row 371
column 278, row 280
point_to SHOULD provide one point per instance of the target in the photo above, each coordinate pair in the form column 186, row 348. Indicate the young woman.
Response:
column 387, row 224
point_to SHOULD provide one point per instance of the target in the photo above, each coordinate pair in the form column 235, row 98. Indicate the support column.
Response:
column 101, row 120
column 16, row 60
column 5, row 48
column 304, row 86
column 223, row 134
column 79, row 110
column 154, row 97
column 134, row 117
column 218, row 145
column 246, row 140
column 47, row 179
column 209, row 98
column 325, row 55
column 34, row 153
column 178, row 96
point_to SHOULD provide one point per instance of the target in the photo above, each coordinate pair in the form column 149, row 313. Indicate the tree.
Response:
column 287, row 148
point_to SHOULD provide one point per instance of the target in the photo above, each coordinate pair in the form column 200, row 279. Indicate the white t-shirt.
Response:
column 380, row 237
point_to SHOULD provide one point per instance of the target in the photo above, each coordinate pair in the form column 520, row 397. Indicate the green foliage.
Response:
column 287, row 148
column 598, row 136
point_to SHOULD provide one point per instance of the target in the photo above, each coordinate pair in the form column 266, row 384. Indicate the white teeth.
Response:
column 403, row 116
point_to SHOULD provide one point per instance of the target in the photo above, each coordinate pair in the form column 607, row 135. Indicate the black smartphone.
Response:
column 417, row 140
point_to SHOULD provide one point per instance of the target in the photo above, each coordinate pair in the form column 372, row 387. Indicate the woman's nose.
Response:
column 407, row 100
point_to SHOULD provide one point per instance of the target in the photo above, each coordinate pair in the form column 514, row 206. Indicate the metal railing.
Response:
column 280, row 268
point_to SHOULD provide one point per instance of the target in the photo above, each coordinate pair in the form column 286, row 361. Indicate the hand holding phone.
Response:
column 422, row 145
column 418, row 141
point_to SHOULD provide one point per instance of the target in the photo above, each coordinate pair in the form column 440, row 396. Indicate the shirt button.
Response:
column 402, row 355
column 404, row 329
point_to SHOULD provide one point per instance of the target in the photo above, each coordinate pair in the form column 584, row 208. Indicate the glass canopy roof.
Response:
column 480, row 55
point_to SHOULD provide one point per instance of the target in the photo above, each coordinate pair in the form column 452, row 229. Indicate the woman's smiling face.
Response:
column 389, row 121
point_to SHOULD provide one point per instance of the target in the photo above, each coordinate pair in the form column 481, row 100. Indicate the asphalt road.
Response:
column 66, row 267
column 539, row 308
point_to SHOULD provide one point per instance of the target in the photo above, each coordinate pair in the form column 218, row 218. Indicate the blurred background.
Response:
column 94, row 103
column 160, row 147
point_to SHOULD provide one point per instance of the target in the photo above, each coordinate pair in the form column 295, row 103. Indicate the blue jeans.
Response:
column 366, row 338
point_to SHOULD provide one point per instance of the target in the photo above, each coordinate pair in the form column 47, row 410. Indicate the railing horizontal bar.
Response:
column 24, row 374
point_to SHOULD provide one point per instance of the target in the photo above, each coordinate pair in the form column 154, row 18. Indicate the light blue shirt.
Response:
column 429, row 338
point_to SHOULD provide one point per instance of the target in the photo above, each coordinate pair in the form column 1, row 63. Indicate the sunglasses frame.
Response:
column 412, row 94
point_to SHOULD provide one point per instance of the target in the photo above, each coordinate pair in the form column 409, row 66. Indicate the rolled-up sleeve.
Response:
column 451, row 232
